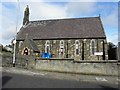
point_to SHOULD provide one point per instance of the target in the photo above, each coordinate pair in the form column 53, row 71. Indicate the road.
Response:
column 14, row 80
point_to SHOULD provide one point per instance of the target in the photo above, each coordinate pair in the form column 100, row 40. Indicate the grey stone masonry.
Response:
column 100, row 68
column 69, row 48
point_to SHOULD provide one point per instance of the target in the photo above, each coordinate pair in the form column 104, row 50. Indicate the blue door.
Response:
column 46, row 55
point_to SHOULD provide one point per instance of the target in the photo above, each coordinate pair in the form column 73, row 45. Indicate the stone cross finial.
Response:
column 26, row 34
column 26, row 16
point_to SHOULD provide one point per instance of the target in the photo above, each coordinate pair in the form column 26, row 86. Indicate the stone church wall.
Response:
column 69, row 48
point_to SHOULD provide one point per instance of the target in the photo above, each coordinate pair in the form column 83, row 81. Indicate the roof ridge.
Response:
column 64, row 19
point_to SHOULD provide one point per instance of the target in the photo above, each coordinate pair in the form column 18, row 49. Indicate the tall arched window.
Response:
column 47, row 46
column 77, row 47
column 61, row 47
column 93, row 47
column 20, row 43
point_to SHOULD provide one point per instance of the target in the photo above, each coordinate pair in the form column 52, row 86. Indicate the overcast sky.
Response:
column 10, row 10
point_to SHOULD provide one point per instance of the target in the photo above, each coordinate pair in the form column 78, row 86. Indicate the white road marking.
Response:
column 39, row 74
column 118, row 79
column 100, row 79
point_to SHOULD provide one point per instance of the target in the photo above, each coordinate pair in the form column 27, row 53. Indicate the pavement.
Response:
column 64, row 76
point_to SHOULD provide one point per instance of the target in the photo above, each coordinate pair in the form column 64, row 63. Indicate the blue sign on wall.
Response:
column 46, row 55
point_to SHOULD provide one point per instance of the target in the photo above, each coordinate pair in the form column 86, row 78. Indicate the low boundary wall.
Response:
column 103, row 67
column 82, row 67
column 26, row 62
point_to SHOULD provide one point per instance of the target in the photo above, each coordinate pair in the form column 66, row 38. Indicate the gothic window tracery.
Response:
column 77, row 47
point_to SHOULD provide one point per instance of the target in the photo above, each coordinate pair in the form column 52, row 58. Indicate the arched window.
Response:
column 77, row 47
column 20, row 43
column 25, row 51
column 47, row 46
column 93, row 47
column 61, row 47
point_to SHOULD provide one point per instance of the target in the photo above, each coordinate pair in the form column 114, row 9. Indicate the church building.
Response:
column 83, row 38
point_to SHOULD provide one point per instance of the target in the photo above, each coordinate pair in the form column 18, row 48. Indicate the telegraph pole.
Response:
column 14, row 42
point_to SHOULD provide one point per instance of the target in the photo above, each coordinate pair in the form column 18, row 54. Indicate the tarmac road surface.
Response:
column 15, row 80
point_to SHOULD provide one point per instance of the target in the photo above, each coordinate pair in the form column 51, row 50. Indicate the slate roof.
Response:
column 75, row 28
column 30, row 43
column 34, row 46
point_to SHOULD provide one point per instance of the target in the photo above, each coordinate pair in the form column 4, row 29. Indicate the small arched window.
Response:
column 25, row 51
column 61, row 47
column 93, row 47
column 77, row 47
column 47, row 46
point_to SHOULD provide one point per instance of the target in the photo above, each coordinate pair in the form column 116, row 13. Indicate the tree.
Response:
column 112, row 51
column 111, row 45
